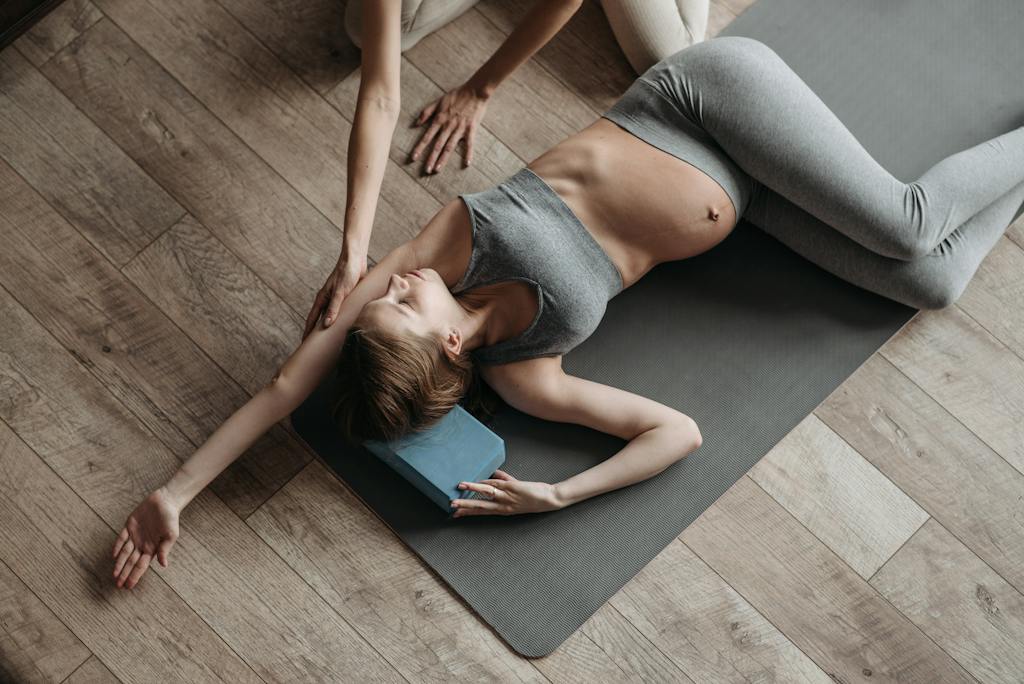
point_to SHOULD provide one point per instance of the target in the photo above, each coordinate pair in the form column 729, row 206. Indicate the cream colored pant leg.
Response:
column 650, row 30
column 419, row 17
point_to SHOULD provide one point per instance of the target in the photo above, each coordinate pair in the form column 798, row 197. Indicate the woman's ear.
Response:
column 452, row 342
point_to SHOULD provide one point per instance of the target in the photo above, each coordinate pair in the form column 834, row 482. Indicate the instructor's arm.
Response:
column 376, row 115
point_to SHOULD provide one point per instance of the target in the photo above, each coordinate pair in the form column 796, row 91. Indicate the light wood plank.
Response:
column 213, row 174
column 994, row 294
column 709, row 630
column 235, row 318
column 92, row 671
column 150, row 635
column 321, row 529
column 808, row 593
column 972, row 374
column 219, row 566
column 59, row 27
column 583, row 56
column 530, row 112
column 309, row 37
column 958, row 601
column 129, row 345
column 932, row 457
column 262, row 101
column 493, row 162
column 89, row 180
column 360, row 568
column 837, row 495
column 626, row 654
column 35, row 646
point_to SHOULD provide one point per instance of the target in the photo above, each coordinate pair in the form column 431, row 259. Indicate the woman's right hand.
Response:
column 349, row 270
column 152, row 528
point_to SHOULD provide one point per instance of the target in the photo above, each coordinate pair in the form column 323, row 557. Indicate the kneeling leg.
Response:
column 932, row 281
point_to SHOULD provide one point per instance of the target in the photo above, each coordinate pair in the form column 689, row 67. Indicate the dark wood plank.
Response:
column 815, row 599
column 129, row 345
column 219, row 566
column 212, row 173
column 58, row 28
column 958, row 601
column 229, row 313
column 307, row 35
column 931, row 456
column 92, row 671
column 61, row 549
column 35, row 646
column 84, row 175
column 265, row 104
column 583, row 55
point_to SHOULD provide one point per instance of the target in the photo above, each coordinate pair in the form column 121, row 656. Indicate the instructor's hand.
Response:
column 151, row 529
column 508, row 496
column 453, row 117
column 343, row 279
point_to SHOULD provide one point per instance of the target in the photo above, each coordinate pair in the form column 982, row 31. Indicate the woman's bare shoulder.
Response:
column 446, row 242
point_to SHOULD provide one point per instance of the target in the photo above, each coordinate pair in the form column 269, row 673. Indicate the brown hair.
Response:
column 388, row 385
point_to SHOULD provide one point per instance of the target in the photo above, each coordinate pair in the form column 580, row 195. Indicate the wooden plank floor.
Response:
column 171, row 189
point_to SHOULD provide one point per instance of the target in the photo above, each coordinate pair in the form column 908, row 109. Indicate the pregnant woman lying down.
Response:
column 500, row 284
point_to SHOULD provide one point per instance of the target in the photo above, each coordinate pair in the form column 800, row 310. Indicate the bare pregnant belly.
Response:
column 642, row 205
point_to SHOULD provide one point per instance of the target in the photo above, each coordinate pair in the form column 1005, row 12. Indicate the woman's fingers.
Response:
column 119, row 542
column 475, row 507
column 314, row 313
column 449, row 147
column 439, row 146
column 139, row 570
column 126, row 570
column 427, row 112
column 335, row 307
column 122, row 557
column 501, row 474
column 486, row 487
column 470, row 137
column 163, row 550
column 425, row 140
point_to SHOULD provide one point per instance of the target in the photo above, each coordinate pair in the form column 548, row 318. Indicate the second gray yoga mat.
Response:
column 748, row 338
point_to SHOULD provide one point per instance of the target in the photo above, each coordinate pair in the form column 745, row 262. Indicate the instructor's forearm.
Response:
column 645, row 456
column 375, row 119
column 540, row 25
column 228, row 442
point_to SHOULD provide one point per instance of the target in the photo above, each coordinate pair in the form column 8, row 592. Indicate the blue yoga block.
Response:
column 458, row 448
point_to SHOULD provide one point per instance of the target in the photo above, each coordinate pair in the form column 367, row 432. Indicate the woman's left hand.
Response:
column 456, row 115
column 509, row 496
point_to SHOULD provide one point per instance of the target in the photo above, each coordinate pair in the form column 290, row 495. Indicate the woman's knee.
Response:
column 940, row 290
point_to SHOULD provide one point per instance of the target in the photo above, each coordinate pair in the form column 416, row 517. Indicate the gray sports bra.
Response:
column 522, row 230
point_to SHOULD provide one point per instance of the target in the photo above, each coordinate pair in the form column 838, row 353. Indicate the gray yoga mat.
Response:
column 748, row 338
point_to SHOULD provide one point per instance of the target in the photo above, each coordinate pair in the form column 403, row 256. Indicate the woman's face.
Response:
column 418, row 302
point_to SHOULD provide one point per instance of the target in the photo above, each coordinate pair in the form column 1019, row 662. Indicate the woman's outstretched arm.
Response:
column 153, row 526
column 658, row 437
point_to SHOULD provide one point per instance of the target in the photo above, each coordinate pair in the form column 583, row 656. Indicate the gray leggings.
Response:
column 809, row 183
